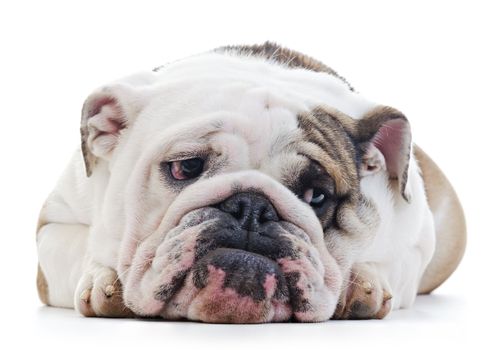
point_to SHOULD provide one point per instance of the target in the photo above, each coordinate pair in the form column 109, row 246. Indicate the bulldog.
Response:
column 247, row 184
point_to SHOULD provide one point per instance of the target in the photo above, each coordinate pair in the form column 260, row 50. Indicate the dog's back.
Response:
column 449, row 222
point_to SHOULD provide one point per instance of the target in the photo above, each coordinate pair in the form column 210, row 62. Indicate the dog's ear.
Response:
column 385, row 141
column 106, row 113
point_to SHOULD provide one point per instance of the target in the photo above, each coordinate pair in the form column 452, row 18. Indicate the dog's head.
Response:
column 234, row 188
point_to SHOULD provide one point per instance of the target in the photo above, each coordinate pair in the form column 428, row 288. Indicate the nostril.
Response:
column 234, row 208
column 249, row 209
column 268, row 214
column 237, row 208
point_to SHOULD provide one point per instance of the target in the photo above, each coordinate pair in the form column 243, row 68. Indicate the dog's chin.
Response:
column 235, row 286
column 227, row 284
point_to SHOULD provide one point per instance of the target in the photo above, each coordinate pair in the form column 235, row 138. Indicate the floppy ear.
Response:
column 385, row 141
column 105, row 114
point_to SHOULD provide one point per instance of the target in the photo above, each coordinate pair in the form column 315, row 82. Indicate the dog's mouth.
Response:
column 239, row 286
column 215, row 270
column 246, row 274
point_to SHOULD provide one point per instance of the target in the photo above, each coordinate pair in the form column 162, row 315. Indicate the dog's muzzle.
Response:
column 240, row 261
column 243, row 254
column 252, row 226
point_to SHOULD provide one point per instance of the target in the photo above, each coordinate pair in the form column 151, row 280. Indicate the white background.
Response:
column 432, row 60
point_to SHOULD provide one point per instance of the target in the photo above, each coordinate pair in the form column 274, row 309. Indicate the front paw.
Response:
column 99, row 293
column 365, row 297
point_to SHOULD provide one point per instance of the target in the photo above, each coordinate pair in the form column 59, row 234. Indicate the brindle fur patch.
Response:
column 338, row 142
column 334, row 135
column 328, row 137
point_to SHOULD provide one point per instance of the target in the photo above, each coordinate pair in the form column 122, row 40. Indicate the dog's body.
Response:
column 247, row 184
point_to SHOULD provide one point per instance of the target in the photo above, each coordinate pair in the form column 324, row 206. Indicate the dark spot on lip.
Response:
column 167, row 291
column 297, row 300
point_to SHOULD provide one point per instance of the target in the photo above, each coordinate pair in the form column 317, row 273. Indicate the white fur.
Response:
column 405, row 240
column 256, row 102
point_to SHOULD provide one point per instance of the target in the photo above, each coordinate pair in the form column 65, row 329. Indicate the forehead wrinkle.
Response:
column 188, row 143
column 328, row 132
column 292, row 166
column 315, row 152
column 179, row 138
column 268, row 132
column 322, row 139
column 282, row 143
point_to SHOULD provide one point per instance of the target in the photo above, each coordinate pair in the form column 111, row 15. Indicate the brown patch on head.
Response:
column 282, row 55
column 328, row 138
column 340, row 143
column 327, row 143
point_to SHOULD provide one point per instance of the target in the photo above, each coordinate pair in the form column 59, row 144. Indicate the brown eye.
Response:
column 314, row 197
column 186, row 169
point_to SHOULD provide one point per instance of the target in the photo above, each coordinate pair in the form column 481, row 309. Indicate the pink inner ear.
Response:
column 390, row 140
column 108, row 120
column 105, row 119
column 96, row 105
column 106, row 115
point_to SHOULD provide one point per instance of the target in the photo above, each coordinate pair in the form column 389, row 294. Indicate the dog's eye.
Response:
column 314, row 197
column 186, row 169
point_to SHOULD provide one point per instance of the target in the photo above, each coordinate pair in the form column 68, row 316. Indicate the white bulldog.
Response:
column 247, row 184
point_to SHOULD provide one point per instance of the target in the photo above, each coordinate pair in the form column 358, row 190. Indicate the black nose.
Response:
column 250, row 209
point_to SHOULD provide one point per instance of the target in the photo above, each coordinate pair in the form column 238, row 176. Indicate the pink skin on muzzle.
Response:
column 167, row 278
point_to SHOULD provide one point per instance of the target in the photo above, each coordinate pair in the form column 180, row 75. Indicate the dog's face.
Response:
column 233, row 195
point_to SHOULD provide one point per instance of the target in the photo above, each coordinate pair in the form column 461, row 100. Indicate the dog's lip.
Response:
column 238, row 251
column 275, row 279
column 226, row 250
column 256, row 270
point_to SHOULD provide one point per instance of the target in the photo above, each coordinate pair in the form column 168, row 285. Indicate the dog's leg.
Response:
column 68, row 278
column 99, row 292
column 367, row 295
column 374, row 289
column 61, row 251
